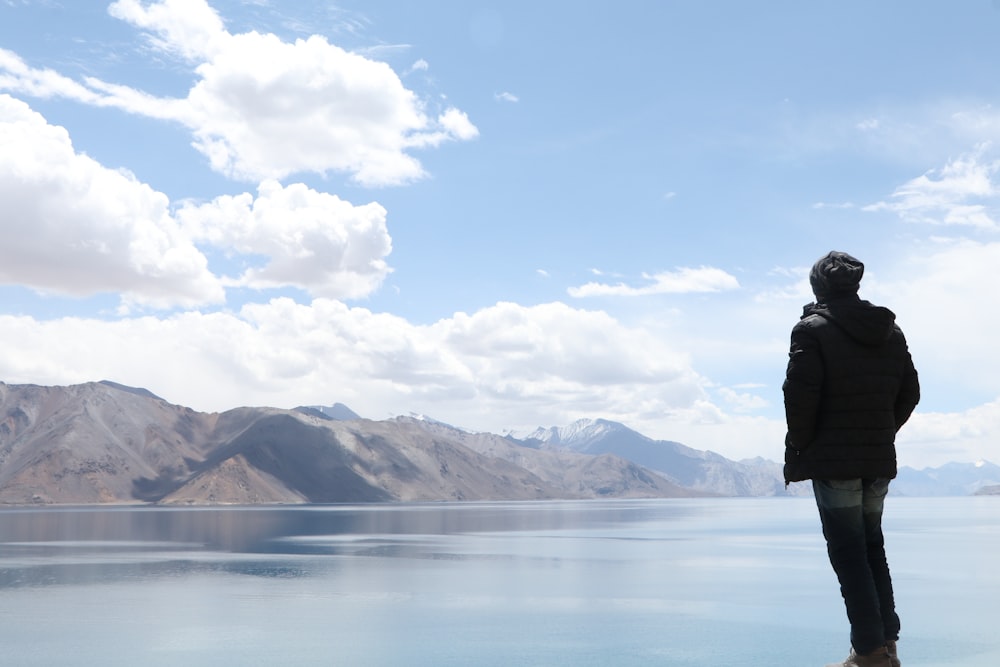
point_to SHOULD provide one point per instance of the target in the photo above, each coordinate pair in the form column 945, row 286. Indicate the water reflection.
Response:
column 51, row 546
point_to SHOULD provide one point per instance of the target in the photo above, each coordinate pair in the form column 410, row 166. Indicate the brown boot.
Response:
column 877, row 658
column 893, row 656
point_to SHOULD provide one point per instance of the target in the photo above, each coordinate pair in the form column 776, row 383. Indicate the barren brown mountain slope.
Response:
column 104, row 443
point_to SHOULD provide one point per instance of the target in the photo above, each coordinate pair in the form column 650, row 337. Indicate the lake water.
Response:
column 720, row 582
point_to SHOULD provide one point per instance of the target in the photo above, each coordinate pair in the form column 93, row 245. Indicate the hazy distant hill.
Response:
column 687, row 467
column 337, row 411
column 951, row 479
column 106, row 443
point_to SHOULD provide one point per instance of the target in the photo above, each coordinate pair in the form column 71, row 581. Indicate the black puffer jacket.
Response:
column 850, row 385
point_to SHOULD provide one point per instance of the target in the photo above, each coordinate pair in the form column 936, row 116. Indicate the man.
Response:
column 850, row 385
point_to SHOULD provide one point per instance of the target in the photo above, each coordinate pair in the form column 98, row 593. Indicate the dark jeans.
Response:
column 851, row 512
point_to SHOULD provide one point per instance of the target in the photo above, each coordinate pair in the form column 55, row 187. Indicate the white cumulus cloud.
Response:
column 264, row 108
column 506, row 366
column 76, row 227
column 309, row 239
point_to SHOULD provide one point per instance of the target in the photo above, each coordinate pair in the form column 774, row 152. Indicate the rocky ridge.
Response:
column 102, row 442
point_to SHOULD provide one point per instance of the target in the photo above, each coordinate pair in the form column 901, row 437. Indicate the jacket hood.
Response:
column 863, row 321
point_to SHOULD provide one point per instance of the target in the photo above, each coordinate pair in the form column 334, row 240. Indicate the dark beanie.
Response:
column 835, row 274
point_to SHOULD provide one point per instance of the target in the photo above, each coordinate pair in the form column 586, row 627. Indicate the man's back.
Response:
column 849, row 386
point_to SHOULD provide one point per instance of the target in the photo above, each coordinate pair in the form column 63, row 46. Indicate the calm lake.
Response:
column 730, row 582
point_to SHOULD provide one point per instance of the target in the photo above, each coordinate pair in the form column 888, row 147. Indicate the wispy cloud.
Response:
column 681, row 281
column 420, row 65
column 506, row 97
column 963, row 192
column 742, row 401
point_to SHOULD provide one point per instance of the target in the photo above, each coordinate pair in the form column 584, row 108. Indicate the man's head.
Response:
column 835, row 274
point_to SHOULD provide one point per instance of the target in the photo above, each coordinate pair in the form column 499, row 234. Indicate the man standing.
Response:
column 850, row 385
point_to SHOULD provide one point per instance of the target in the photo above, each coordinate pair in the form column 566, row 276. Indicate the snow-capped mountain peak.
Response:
column 582, row 430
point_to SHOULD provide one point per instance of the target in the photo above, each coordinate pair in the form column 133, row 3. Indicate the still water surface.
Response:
column 721, row 582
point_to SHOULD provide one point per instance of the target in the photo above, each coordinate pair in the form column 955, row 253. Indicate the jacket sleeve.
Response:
column 909, row 391
column 802, row 387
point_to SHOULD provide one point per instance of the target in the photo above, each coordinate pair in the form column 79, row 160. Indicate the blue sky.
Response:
column 503, row 215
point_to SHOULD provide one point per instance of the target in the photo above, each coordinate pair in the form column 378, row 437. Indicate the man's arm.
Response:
column 909, row 391
column 802, row 387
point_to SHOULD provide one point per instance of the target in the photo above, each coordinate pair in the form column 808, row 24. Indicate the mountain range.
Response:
column 687, row 467
column 103, row 442
column 710, row 472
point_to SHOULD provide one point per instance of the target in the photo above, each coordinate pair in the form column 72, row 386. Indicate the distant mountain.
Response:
column 690, row 468
column 586, row 475
column 105, row 443
column 337, row 412
column 951, row 479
